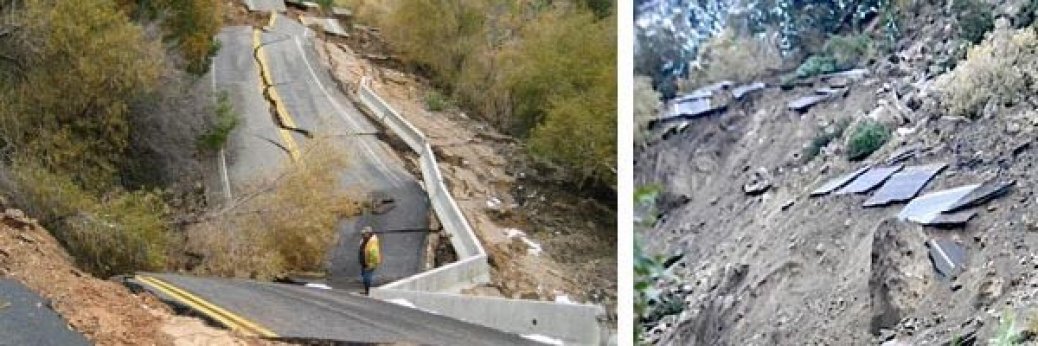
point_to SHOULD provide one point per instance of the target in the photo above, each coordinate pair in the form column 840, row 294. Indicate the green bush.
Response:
column 645, row 267
column 866, row 138
column 225, row 121
column 816, row 65
column 975, row 19
column 436, row 102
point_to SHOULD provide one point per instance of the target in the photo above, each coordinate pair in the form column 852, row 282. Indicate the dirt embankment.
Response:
column 784, row 268
column 570, row 241
column 106, row 312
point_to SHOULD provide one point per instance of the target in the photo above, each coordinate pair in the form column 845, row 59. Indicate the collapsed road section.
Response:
column 289, row 100
column 306, row 99
column 292, row 312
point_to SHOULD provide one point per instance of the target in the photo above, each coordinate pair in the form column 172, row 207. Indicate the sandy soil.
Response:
column 577, row 235
column 106, row 312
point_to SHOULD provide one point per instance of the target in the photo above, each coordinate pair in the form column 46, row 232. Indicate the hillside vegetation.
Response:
column 544, row 71
column 106, row 123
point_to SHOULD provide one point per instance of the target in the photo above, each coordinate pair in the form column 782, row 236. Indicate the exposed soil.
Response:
column 784, row 268
column 106, row 312
column 489, row 175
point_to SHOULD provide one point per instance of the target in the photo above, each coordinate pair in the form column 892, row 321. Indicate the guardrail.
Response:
column 472, row 267
column 433, row 290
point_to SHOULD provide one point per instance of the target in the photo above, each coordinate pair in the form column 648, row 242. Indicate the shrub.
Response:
column 1006, row 334
column 816, row 65
column 645, row 267
column 1003, row 69
column 848, row 50
column 281, row 225
column 646, row 102
column 435, row 101
column 975, row 19
column 225, row 120
column 866, row 138
column 728, row 56
column 121, row 233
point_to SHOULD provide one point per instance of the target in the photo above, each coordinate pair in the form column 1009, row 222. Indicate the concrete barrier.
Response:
column 573, row 324
column 450, row 278
column 389, row 117
column 438, row 290
column 463, row 238
column 472, row 267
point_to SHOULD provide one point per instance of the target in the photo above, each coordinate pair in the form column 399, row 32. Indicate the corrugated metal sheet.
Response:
column 948, row 257
column 927, row 209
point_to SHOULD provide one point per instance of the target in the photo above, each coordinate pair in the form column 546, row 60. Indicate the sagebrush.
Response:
column 1002, row 71
column 285, row 223
column 736, row 58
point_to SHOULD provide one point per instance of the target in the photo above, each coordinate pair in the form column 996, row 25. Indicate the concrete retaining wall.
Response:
column 389, row 117
column 437, row 290
column 573, row 324
column 462, row 237
column 450, row 278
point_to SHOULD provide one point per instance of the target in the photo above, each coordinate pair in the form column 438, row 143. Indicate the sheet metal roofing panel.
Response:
column 948, row 257
column 742, row 90
column 905, row 184
column 870, row 179
column 947, row 219
column 986, row 192
column 691, row 108
column 803, row 103
column 838, row 182
column 927, row 208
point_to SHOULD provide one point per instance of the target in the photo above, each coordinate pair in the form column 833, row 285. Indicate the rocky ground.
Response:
column 545, row 241
column 106, row 312
column 780, row 267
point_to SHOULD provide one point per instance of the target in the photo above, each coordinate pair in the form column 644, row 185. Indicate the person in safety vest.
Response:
column 370, row 257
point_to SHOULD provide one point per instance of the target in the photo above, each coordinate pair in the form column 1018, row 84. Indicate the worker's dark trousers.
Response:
column 367, row 275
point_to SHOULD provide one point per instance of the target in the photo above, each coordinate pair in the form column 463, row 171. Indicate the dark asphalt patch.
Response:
column 26, row 319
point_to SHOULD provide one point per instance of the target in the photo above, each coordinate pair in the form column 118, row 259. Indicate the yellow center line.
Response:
column 279, row 105
column 227, row 318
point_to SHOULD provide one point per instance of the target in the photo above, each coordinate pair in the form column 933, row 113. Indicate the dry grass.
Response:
column 1002, row 69
column 280, row 225
column 728, row 56
column 646, row 102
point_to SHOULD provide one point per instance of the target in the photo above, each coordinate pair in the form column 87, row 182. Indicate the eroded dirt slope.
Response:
column 784, row 268
column 106, row 312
